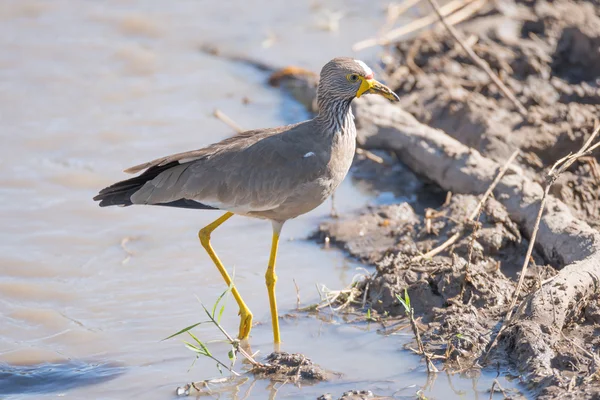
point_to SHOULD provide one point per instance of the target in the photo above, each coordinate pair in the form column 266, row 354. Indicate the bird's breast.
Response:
column 342, row 154
column 338, row 164
column 334, row 159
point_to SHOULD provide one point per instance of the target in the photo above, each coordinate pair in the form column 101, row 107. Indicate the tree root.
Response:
column 564, row 240
column 535, row 330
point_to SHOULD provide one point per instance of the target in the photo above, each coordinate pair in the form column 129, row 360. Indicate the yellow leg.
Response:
column 271, row 279
column 245, row 314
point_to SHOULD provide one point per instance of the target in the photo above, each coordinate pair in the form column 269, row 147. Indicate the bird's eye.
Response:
column 352, row 77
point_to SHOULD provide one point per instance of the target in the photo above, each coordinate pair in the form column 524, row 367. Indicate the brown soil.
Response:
column 458, row 296
column 294, row 368
column 277, row 367
column 546, row 52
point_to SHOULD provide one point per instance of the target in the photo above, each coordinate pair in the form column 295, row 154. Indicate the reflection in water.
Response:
column 227, row 388
column 246, row 387
column 54, row 377
column 387, row 383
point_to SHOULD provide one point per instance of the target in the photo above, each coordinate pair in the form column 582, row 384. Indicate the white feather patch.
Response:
column 309, row 154
column 239, row 208
column 364, row 66
column 189, row 159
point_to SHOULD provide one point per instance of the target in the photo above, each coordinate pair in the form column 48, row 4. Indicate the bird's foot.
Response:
column 245, row 324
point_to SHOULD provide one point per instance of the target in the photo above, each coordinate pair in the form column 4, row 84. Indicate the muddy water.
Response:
column 86, row 294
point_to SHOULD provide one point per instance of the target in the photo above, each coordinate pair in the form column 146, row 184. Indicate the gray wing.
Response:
column 238, row 141
column 252, row 173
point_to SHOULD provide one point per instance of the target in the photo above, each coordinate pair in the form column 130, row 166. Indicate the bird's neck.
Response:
column 335, row 116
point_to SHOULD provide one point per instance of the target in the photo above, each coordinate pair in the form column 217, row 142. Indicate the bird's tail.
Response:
column 119, row 194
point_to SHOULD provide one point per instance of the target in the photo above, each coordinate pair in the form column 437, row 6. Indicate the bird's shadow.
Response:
column 55, row 377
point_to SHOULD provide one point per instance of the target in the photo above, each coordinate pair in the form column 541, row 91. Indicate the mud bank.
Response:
column 454, row 129
column 464, row 130
column 546, row 54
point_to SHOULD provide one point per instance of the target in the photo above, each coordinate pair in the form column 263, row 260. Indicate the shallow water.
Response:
column 90, row 88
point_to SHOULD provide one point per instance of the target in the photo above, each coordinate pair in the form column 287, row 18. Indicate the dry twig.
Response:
column 410, row 313
column 594, row 167
column 204, row 387
column 500, row 388
column 297, row 294
column 333, row 214
column 369, row 155
column 594, row 358
column 557, row 169
column 129, row 253
column 395, row 11
column 228, row 121
column 477, row 60
column 452, row 239
column 415, row 329
column 410, row 57
column 344, row 296
column 470, row 8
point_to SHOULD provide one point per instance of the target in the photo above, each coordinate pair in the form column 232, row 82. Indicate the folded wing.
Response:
column 253, row 171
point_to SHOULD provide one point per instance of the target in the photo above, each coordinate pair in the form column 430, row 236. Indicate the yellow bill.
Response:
column 371, row 86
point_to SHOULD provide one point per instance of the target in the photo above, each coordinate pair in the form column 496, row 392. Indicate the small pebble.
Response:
column 183, row 391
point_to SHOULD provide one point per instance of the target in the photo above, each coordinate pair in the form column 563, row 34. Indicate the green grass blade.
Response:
column 184, row 330
column 202, row 345
column 214, row 310
column 193, row 363
column 193, row 348
column 220, row 313
column 208, row 313
column 232, row 357
column 404, row 301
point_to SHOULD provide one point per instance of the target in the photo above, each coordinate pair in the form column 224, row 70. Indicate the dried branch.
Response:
column 410, row 313
column 593, row 357
column 129, row 253
column 297, row 294
column 557, row 169
column 228, row 121
column 395, row 11
column 477, row 60
column 470, row 7
column 413, row 324
column 452, row 239
column 369, row 155
column 594, row 167
column 500, row 388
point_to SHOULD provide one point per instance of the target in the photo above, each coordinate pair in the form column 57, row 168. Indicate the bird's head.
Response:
column 347, row 78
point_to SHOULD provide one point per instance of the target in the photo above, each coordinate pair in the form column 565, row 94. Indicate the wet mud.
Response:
column 293, row 368
column 459, row 295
